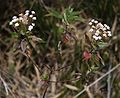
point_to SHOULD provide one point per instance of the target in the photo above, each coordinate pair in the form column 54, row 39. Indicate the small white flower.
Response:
column 30, row 27
column 99, row 25
column 93, row 26
column 90, row 23
column 20, row 18
column 105, row 35
column 96, row 34
column 16, row 24
column 33, row 24
column 31, row 16
column 104, row 28
column 26, row 14
column 11, row 23
column 15, row 20
column 96, row 21
column 91, row 30
column 14, row 17
column 107, row 26
column 99, row 37
column 92, row 20
column 109, row 34
column 95, row 37
column 33, row 12
column 27, row 11
column 34, row 18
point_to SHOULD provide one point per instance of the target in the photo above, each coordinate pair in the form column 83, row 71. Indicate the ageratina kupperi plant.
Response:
column 24, row 23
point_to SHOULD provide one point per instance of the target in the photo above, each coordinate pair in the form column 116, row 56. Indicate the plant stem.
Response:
column 100, row 78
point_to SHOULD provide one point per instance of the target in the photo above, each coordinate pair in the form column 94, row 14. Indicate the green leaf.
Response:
column 45, row 77
column 11, row 69
column 102, row 44
column 14, row 34
column 56, row 14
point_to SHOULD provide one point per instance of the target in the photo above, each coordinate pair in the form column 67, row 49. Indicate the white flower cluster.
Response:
column 26, row 19
column 99, row 30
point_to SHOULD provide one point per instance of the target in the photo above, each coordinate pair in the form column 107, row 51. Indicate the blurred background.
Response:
column 56, row 67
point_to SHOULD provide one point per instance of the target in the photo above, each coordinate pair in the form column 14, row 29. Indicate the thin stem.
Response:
column 7, row 89
column 109, row 83
column 5, row 85
column 47, row 85
column 107, row 73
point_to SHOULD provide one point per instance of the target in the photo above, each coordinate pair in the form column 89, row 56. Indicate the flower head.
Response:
column 25, row 20
column 99, row 31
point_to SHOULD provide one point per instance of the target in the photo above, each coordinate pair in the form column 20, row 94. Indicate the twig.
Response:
column 62, row 68
column 88, row 92
column 7, row 89
column 32, row 4
column 45, row 91
column 41, row 2
column 44, row 94
column 5, row 85
column 114, row 68
column 64, row 81
column 109, row 82
column 110, row 65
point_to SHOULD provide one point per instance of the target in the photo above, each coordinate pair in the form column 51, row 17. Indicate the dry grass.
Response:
column 49, row 71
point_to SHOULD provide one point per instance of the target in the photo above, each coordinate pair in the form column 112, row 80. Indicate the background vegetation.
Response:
column 56, row 65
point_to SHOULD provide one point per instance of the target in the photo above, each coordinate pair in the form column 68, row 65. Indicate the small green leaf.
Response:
column 56, row 14
column 102, row 44
column 45, row 77
column 11, row 69
column 14, row 34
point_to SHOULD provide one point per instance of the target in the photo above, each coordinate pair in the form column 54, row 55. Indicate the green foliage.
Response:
column 45, row 77
column 102, row 44
column 14, row 34
column 68, row 15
